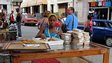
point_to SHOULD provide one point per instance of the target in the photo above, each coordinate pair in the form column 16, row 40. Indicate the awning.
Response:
column 39, row 2
column 44, row 1
column 31, row 3
column 28, row 3
column 91, row 0
column 24, row 4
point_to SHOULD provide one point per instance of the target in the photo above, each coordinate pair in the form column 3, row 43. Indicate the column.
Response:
column 9, row 8
column 83, row 10
column 75, row 4
column 108, row 14
column 31, row 10
column 41, row 10
column 79, row 11
column 55, row 8
column 48, row 7
column 1, row 6
column 23, row 9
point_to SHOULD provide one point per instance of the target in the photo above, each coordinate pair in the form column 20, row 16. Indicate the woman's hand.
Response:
column 43, row 36
column 59, row 32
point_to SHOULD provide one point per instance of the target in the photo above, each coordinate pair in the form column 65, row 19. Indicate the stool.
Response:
column 11, row 35
column 4, row 55
column 46, row 60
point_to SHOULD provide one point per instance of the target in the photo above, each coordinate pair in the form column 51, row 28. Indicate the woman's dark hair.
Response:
column 72, row 8
column 89, row 17
column 52, row 15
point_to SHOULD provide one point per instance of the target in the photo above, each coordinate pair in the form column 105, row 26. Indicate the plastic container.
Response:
column 66, row 37
column 56, row 42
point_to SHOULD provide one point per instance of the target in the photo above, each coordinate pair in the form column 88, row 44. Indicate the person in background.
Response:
column 18, row 20
column 95, row 15
column 44, row 21
column 88, row 25
column 0, row 16
column 3, row 15
column 53, row 30
column 63, row 18
column 71, row 20
column 12, row 17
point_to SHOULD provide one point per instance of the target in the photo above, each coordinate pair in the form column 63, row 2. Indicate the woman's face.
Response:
column 52, row 20
column 69, row 11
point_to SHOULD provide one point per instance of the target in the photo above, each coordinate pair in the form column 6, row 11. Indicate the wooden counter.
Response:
column 66, row 51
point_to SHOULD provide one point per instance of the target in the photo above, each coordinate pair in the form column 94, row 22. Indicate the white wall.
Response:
column 8, row 3
column 80, row 6
column 54, row 2
column 5, row 1
column 82, row 9
column 9, row 8
column 55, row 6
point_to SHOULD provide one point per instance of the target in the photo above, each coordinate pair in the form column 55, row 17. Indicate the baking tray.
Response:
column 20, row 46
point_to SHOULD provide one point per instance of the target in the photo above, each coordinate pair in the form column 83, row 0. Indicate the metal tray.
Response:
column 20, row 46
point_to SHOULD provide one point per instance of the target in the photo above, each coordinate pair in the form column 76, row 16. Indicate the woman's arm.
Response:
column 59, row 31
column 40, row 33
column 85, row 25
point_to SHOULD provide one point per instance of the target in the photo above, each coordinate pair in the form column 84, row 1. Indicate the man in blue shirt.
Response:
column 71, row 20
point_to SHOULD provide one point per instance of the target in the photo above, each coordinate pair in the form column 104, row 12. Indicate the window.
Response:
column 110, row 24
column 94, row 23
column 14, row 3
column 99, row 24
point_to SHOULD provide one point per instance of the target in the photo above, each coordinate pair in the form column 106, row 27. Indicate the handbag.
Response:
column 64, row 28
column 87, row 29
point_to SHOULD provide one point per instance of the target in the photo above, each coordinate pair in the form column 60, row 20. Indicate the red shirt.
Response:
column 12, row 18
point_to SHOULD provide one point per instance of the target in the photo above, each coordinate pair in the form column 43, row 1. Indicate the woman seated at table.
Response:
column 52, row 30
